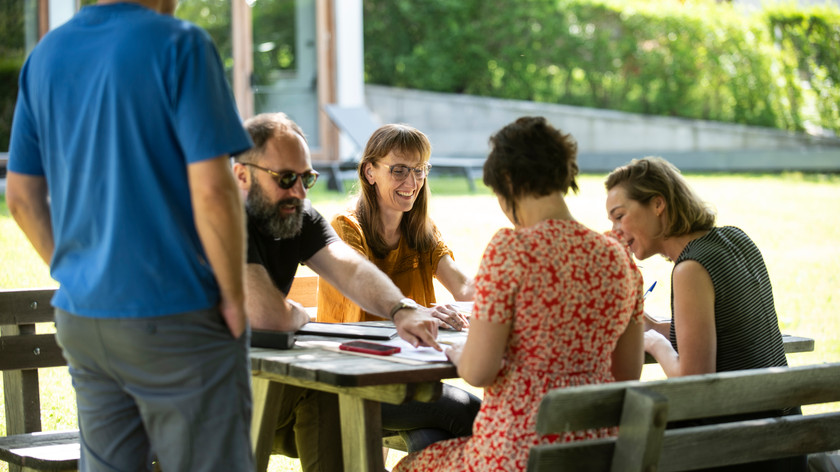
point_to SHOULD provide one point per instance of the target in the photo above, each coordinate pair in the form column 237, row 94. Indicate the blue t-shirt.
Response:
column 113, row 106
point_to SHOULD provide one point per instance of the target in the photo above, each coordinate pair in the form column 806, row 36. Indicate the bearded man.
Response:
column 284, row 230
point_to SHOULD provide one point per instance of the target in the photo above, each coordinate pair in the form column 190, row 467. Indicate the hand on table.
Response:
column 417, row 327
column 450, row 316
column 655, row 342
column 454, row 353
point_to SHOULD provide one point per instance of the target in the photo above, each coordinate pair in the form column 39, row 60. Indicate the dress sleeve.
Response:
column 497, row 281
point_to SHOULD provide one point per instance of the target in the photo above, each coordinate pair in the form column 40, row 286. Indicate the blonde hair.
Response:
column 649, row 177
column 415, row 226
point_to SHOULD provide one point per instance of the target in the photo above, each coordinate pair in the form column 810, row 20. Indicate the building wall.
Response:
column 460, row 125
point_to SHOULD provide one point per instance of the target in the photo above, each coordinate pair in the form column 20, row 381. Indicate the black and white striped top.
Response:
column 746, row 325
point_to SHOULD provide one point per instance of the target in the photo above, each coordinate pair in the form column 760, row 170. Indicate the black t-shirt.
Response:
column 281, row 257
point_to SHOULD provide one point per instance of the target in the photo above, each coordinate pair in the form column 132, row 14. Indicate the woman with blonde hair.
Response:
column 722, row 313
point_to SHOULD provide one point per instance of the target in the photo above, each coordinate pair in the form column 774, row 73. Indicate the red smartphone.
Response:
column 368, row 347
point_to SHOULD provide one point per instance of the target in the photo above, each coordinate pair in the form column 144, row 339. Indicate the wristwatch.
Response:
column 404, row 303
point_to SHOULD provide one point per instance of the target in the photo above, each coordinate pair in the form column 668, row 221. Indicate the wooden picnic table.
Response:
column 361, row 383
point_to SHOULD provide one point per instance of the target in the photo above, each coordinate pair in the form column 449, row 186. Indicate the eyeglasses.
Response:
column 286, row 180
column 400, row 171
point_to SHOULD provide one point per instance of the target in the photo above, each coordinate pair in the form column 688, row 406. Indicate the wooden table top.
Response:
column 347, row 370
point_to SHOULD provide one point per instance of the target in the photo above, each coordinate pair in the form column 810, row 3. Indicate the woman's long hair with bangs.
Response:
column 415, row 227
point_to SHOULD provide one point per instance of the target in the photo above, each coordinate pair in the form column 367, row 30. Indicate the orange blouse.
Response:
column 411, row 272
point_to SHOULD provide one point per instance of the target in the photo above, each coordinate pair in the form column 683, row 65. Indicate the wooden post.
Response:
column 266, row 409
column 21, row 394
column 325, row 37
column 243, row 57
column 643, row 420
column 364, row 418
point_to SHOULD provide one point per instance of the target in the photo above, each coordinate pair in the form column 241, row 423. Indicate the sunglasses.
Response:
column 400, row 172
column 287, row 180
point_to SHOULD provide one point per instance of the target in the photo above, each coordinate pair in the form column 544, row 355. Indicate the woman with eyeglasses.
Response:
column 557, row 304
column 390, row 225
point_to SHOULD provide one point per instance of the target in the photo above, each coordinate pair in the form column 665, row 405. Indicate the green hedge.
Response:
column 696, row 59
column 9, row 71
column 812, row 37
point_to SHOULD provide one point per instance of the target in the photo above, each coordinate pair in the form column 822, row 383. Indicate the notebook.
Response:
column 345, row 330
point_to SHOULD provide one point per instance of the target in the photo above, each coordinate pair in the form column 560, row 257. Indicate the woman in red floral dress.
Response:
column 556, row 305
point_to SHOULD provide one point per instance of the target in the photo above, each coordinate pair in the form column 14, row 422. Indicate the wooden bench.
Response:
column 22, row 352
column 641, row 410
column 304, row 290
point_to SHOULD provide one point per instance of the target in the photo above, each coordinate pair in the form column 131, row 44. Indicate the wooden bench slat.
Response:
column 592, row 455
column 726, row 393
column 42, row 451
column 749, row 441
column 26, row 306
column 304, row 290
column 794, row 344
column 690, row 448
column 22, row 353
column 30, row 352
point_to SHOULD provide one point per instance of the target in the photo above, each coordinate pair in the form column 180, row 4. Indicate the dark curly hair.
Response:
column 530, row 157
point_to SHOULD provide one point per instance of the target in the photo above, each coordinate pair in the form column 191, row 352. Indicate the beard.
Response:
column 269, row 217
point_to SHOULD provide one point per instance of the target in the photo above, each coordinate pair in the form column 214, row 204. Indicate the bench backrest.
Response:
column 22, row 352
column 304, row 290
column 642, row 410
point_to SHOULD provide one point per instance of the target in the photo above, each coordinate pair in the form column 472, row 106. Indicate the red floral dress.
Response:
column 569, row 293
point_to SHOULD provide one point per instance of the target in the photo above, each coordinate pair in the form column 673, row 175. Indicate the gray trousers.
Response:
column 176, row 387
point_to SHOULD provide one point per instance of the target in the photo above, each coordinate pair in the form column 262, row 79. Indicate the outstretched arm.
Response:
column 361, row 281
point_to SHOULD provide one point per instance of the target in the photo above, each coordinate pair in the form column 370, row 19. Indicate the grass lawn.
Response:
column 788, row 216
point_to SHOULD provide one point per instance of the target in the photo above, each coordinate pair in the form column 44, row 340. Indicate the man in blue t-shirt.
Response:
column 118, row 174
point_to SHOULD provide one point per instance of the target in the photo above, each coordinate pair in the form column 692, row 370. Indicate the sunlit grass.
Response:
column 792, row 218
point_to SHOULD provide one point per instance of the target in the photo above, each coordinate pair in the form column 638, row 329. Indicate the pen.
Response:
column 650, row 289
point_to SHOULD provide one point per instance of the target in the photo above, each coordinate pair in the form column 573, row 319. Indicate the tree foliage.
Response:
column 695, row 59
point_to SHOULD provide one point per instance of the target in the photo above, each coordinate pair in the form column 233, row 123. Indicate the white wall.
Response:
column 349, row 58
column 60, row 11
